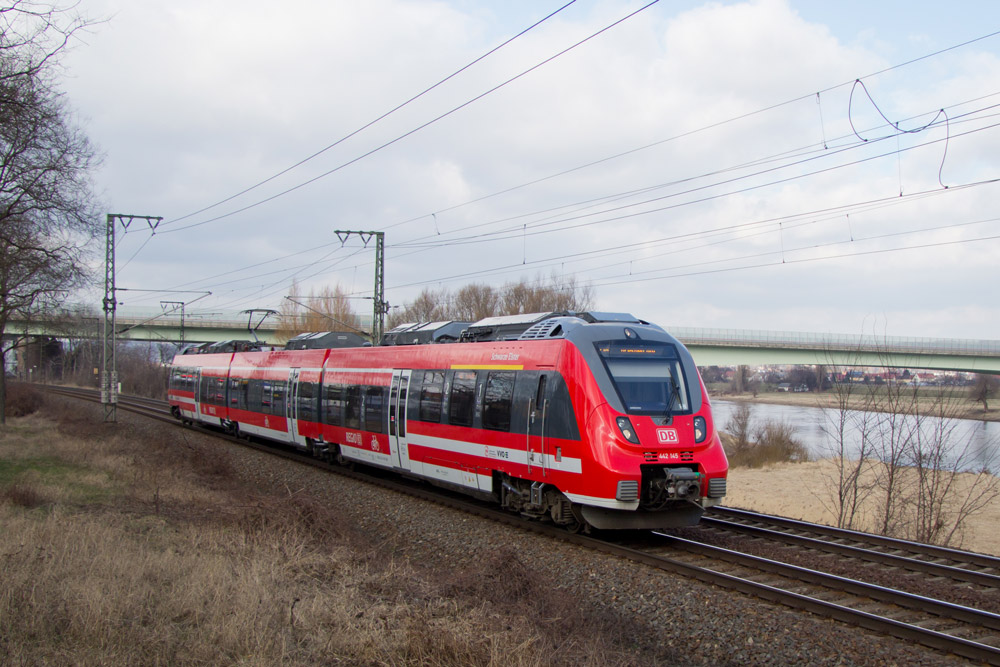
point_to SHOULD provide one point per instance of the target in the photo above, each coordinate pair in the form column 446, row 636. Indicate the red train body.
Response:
column 586, row 419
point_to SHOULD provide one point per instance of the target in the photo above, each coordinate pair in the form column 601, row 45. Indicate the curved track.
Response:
column 963, row 630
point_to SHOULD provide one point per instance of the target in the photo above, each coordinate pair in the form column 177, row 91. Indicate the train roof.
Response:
column 422, row 333
column 325, row 340
column 536, row 326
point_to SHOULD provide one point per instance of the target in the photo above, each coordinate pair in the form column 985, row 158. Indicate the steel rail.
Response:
column 882, row 624
column 929, row 550
column 893, row 560
column 837, row 583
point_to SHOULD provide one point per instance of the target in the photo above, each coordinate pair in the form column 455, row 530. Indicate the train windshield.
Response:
column 647, row 375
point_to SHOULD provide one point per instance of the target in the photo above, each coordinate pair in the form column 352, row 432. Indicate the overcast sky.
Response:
column 699, row 164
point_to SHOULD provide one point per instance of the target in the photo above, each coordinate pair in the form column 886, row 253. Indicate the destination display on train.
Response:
column 635, row 350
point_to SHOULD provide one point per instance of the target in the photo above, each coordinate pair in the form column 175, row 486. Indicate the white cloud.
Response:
column 194, row 101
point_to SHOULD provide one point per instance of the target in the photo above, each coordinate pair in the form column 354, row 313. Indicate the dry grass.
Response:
column 120, row 549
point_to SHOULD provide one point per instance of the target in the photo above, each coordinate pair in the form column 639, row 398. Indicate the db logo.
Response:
column 666, row 436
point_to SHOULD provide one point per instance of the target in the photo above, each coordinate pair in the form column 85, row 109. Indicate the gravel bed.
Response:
column 675, row 620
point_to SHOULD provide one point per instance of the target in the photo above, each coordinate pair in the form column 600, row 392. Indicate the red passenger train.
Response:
column 588, row 419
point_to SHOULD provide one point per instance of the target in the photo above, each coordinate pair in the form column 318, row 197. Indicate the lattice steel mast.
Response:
column 380, row 307
column 109, row 367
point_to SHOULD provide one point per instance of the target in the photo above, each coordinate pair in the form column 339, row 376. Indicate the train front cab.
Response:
column 654, row 446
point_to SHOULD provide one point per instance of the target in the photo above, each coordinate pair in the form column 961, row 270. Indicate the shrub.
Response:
column 773, row 442
column 22, row 400
column 23, row 496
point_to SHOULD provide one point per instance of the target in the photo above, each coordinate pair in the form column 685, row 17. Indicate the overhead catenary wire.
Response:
column 521, row 227
column 830, row 213
column 518, row 231
column 563, row 257
column 357, row 131
column 774, row 158
column 373, row 121
column 414, row 130
column 899, row 65
column 618, row 217
column 698, row 130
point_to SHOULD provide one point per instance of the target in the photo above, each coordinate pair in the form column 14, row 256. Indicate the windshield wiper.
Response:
column 674, row 394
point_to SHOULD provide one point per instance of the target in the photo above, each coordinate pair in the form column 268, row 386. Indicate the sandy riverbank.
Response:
column 964, row 408
column 803, row 491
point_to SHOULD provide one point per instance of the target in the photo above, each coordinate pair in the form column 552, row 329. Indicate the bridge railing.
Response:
column 828, row 341
column 195, row 319
column 202, row 319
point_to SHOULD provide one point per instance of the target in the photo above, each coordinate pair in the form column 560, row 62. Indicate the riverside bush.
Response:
column 772, row 442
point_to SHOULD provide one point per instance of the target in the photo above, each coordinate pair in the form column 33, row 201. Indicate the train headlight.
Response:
column 700, row 429
column 625, row 426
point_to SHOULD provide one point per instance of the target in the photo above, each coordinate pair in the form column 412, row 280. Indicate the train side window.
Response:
column 220, row 391
column 234, row 392
column 540, row 395
column 255, row 391
column 333, row 404
column 278, row 397
column 393, row 392
column 431, row 395
column 353, row 412
column 213, row 390
column 402, row 406
column 462, row 400
column 307, row 401
column 266, row 396
column 497, row 400
column 560, row 418
column 374, row 401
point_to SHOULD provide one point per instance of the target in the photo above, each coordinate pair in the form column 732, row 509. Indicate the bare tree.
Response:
column 474, row 302
column 946, row 494
column 848, row 427
column 904, row 467
column 48, row 212
column 539, row 295
column 740, row 426
column 329, row 309
column 740, row 379
column 986, row 387
column 895, row 433
column 429, row 306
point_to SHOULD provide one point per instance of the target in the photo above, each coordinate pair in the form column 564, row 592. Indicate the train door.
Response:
column 292, row 408
column 538, row 407
column 397, row 418
column 197, row 393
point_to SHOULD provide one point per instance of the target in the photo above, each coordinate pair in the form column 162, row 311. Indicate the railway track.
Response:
column 963, row 630
column 954, row 564
column 951, row 575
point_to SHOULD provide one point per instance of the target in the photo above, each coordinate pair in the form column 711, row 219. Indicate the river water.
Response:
column 979, row 440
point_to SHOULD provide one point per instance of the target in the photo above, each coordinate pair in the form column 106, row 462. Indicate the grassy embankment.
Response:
column 134, row 544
